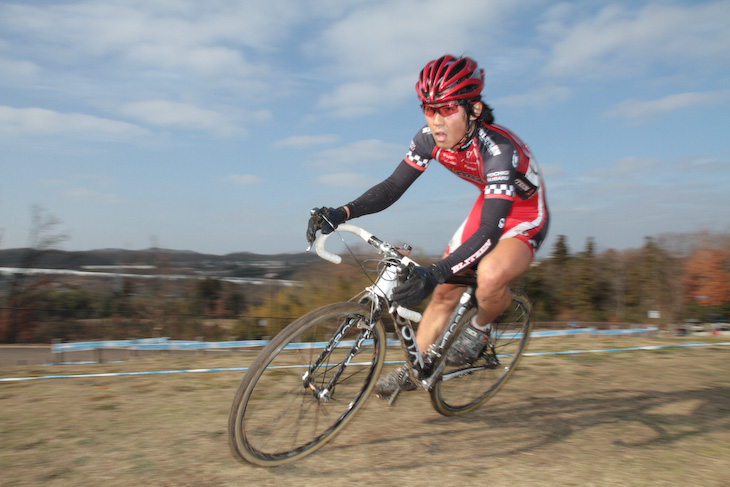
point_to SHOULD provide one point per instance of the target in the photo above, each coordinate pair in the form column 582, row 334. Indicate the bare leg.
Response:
column 437, row 313
column 509, row 259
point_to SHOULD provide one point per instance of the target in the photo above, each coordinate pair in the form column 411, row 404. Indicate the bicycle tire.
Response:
column 275, row 417
column 465, row 388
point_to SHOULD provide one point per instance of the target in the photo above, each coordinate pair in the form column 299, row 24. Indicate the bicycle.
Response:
column 313, row 377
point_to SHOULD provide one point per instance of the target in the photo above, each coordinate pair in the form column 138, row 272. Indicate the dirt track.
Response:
column 42, row 355
column 642, row 418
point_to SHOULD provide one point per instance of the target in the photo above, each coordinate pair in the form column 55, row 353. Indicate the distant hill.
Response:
column 62, row 259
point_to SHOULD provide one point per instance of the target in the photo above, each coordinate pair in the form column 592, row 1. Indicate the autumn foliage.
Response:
column 707, row 276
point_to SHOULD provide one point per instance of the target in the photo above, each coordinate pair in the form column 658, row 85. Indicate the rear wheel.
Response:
column 306, row 384
column 465, row 388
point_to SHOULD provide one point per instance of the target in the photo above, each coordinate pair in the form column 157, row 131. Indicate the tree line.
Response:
column 669, row 279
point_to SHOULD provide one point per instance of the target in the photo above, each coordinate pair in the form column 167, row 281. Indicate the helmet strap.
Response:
column 471, row 128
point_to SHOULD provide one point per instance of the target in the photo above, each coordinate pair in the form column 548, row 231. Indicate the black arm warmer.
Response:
column 385, row 193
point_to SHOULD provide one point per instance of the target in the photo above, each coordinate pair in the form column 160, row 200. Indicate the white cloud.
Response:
column 619, row 41
column 307, row 140
column 637, row 111
column 200, row 60
column 91, row 195
column 377, row 40
column 377, row 50
column 345, row 180
column 636, row 197
column 106, row 49
column 360, row 98
column 180, row 115
column 629, row 166
column 96, row 180
column 39, row 121
column 169, row 28
column 550, row 171
column 540, row 96
column 242, row 179
column 282, row 71
column 361, row 152
column 18, row 69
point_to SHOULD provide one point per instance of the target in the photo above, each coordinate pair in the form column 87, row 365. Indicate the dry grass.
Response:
column 640, row 418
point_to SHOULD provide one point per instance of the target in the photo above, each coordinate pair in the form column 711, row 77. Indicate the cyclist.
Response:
column 501, row 233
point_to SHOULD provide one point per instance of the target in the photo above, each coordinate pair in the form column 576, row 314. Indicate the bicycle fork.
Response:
column 325, row 393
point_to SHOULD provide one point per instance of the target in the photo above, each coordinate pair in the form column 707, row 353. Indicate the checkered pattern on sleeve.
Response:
column 500, row 190
column 417, row 160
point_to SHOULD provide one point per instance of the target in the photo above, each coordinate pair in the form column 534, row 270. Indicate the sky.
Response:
column 216, row 126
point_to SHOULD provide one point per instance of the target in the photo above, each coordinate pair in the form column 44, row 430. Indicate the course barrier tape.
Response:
column 167, row 344
column 234, row 369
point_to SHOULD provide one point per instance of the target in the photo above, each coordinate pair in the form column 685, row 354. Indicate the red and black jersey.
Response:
column 511, row 201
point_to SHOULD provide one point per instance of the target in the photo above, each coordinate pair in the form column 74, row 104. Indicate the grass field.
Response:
column 634, row 418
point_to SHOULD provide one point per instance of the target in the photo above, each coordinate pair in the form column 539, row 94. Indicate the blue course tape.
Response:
column 648, row 347
column 167, row 344
column 527, row 354
column 121, row 374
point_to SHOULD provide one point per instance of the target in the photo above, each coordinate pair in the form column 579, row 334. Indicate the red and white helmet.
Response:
column 450, row 79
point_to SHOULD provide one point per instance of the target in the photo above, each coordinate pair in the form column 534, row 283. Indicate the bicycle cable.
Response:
column 350, row 251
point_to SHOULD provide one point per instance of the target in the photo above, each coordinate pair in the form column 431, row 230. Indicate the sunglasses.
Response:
column 443, row 110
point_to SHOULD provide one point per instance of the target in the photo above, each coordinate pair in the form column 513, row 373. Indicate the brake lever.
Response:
column 311, row 213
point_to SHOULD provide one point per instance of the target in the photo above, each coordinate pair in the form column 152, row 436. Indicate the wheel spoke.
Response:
column 465, row 388
column 275, row 418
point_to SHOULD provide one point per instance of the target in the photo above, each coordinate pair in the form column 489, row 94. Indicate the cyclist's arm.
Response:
column 499, row 194
column 385, row 193
column 481, row 242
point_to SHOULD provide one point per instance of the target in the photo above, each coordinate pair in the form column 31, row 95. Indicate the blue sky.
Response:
column 215, row 126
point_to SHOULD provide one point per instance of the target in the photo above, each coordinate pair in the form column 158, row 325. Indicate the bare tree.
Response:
column 19, row 320
column 43, row 236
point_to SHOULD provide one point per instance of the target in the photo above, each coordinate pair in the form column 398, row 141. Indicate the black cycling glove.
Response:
column 419, row 285
column 326, row 220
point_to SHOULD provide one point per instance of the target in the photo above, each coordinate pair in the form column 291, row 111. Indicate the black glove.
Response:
column 419, row 285
column 326, row 220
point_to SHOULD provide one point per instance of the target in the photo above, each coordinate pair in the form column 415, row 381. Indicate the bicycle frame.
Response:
column 289, row 404
column 427, row 365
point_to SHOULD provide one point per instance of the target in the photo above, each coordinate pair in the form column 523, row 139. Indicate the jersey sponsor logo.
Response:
column 528, row 183
column 492, row 148
column 466, row 164
column 524, row 188
column 448, row 158
column 473, row 258
column 516, row 140
column 469, row 176
column 493, row 177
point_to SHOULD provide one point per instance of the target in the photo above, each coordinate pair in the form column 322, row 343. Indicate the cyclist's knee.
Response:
column 492, row 282
column 445, row 296
column 492, row 292
column 509, row 259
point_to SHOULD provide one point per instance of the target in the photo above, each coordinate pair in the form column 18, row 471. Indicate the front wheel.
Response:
column 306, row 384
column 465, row 388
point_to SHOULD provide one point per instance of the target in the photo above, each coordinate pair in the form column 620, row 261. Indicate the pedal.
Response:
column 392, row 398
